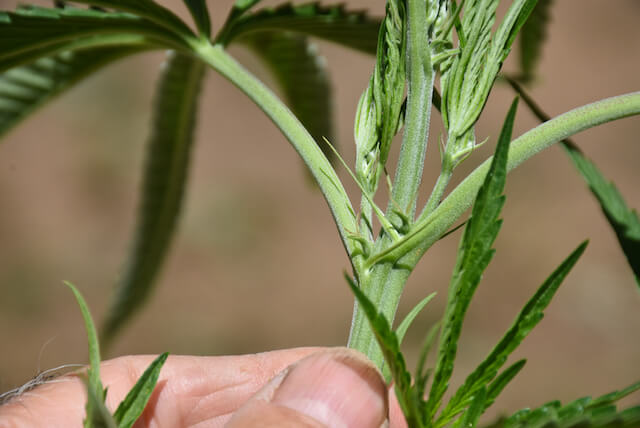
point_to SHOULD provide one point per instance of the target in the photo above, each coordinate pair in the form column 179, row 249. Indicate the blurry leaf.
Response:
column 474, row 254
column 134, row 403
column 239, row 8
column 390, row 346
column 244, row 5
column 408, row 320
column 352, row 29
column 582, row 413
column 169, row 150
column 623, row 220
column 147, row 9
column 301, row 73
column 33, row 32
column 96, row 391
column 527, row 319
column 200, row 14
column 532, row 38
column 24, row 89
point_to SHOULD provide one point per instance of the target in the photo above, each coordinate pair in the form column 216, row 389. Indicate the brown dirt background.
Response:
column 257, row 263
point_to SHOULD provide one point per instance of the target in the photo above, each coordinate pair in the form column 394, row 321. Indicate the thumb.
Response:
column 335, row 388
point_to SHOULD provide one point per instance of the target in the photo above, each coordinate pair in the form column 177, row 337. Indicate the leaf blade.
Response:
column 165, row 175
column 532, row 37
column 401, row 330
column 623, row 220
column 147, row 9
column 303, row 77
column 24, row 89
column 200, row 14
column 530, row 315
column 333, row 23
column 473, row 257
column 96, row 393
column 68, row 29
column 130, row 409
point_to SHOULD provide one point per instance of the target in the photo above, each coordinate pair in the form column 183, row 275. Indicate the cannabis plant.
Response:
column 430, row 55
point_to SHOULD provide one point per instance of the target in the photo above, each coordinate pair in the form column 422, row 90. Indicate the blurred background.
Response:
column 257, row 263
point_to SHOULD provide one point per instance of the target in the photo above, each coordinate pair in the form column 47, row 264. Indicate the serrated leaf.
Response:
column 614, row 396
column 96, row 391
column 33, row 32
column 352, row 29
column 301, row 73
column 583, row 412
column 623, row 220
column 390, row 346
column 474, row 255
column 130, row 409
column 165, row 175
column 532, row 37
column 24, row 89
column 526, row 320
column 148, row 9
column 408, row 320
column 200, row 14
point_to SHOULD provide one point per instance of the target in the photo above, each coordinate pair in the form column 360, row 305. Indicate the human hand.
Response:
column 304, row 387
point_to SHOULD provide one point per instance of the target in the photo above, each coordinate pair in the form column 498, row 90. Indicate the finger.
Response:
column 190, row 390
column 333, row 388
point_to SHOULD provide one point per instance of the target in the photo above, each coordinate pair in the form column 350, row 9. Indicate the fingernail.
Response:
column 340, row 388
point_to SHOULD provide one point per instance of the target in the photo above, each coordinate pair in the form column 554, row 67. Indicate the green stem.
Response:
column 407, row 179
column 294, row 131
column 434, row 225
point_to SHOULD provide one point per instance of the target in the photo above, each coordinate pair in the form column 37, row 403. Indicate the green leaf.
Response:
column 134, row 403
column 301, row 73
column 352, row 29
column 96, row 391
column 24, row 89
column 33, row 32
column 98, row 416
column 169, row 150
column 401, row 330
column 474, row 255
column 200, row 14
column 421, row 376
column 242, row 6
column 527, row 319
column 148, row 9
column 532, row 37
column 390, row 346
column 475, row 410
column 500, row 382
column 408, row 320
column 584, row 412
column 623, row 220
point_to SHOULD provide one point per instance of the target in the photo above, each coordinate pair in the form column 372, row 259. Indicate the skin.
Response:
column 302, row 387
